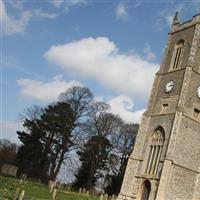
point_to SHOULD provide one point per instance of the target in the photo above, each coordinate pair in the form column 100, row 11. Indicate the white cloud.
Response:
column 8, row 130
column 42, row 14
column 67, row 4
column 75, row 2
column 123, row 106
column 57, row 3
column 121, row 11
column 99, row 59
column 10, row 25
column 45, row 91
column 149, row 54
column 49, row 91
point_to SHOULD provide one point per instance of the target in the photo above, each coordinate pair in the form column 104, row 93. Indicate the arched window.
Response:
column 177, row 54
column 146, row 189
column 156, row 145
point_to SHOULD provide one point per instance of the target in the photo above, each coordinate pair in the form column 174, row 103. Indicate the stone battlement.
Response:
column 177, row 26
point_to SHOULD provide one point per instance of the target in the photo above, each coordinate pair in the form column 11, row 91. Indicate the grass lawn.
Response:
column 75, row 196
column 34, row 191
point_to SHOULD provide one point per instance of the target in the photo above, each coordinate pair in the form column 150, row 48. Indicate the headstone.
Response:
column 52, row 186
column 80, row 190
column 84, row 190
column 21, row 197
column 50, row 182
column 24, row 177
column 105, row 196
column 21, row 181
column 101, row 196
column 54, row 194
column 87, row 192
column 16, row 194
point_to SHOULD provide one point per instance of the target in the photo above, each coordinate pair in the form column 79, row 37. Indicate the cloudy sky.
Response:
column 113, row 47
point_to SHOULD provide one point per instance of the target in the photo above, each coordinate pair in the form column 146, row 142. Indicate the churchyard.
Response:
column 12, row 188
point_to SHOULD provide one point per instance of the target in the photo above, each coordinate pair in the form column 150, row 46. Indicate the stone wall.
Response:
column 9, row 169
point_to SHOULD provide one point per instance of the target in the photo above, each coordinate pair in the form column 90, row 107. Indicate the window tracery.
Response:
column 156, row 145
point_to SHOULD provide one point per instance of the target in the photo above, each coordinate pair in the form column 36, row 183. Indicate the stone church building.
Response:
column 165, row 163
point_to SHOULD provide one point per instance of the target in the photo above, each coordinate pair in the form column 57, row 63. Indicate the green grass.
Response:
column 34, row 191
column 75, row 196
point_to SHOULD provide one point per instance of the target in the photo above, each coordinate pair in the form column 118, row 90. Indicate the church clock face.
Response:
column 198, row 91
column 169, row 86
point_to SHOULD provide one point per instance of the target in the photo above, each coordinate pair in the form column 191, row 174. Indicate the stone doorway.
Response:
column 146, row 189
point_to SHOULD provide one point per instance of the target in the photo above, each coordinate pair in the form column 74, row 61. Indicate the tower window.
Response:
column 156, row 145
column 196, row 113
column 164, row 108
column 177, row 54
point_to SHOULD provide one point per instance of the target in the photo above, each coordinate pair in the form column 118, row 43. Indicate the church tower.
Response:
column 165, row 163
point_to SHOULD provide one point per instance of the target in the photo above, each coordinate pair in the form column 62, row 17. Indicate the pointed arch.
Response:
column 156, row 145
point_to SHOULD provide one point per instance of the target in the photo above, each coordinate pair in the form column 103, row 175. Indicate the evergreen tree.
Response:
column 46, row 142
column 31, row 157
column 53, row 132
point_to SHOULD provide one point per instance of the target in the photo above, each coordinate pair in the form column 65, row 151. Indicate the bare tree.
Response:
column 100, row 128
column 79, row 99
column 8, row 151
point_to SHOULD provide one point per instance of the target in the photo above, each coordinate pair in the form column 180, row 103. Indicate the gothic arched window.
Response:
column 156, row 145
column 177, row 54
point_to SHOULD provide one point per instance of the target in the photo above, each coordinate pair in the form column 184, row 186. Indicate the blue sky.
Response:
column 113, row 47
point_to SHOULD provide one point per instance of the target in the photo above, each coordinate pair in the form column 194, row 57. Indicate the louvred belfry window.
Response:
column 177, row 55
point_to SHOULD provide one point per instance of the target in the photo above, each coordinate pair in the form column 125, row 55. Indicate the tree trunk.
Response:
column 91, row 175
column 57, row 168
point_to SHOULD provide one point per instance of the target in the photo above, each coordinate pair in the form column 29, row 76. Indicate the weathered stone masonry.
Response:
column 165, row 163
